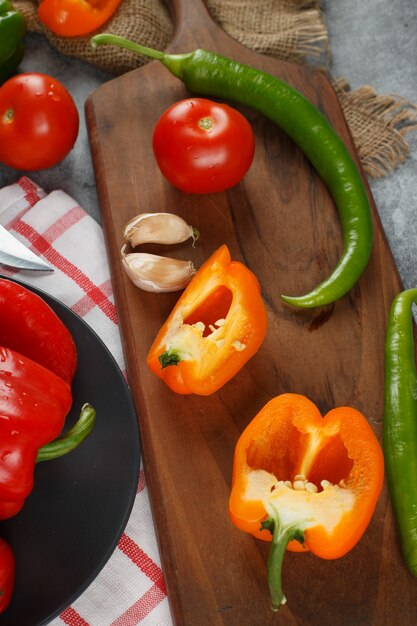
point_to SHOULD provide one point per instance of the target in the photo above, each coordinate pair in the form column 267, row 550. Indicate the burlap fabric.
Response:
column 293, row 30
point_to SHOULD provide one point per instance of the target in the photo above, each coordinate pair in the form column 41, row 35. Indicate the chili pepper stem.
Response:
column 173, row 62
column 69, row 441
column 104, row 38
column 282, row 534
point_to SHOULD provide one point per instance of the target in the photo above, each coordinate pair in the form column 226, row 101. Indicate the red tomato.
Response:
column 38, row 122
column 202, row 146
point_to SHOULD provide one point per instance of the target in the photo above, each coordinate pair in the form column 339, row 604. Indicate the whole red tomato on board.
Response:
column 38, row 122
column 203, row 146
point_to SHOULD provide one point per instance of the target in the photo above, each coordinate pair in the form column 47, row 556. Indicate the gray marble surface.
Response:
column 373, row 42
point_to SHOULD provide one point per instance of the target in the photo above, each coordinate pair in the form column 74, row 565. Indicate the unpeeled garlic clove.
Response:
column 159, row 274
column 164, row 228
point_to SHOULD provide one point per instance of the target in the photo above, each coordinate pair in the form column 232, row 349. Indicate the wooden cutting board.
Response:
column 282, row 223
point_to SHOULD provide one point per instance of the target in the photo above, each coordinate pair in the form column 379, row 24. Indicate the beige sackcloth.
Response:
column 293, row 30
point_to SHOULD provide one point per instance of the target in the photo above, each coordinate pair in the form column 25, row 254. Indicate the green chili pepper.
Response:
column 12, row 33
column 210, row 74
column 400, row 422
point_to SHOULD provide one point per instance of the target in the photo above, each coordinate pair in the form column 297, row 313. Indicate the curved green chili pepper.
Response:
column 71, row 439
column 400, row 422
column 210, row 74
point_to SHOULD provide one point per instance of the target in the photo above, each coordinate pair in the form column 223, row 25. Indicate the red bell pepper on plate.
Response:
column 29, row 326
column 38, row 359
column 7, row 570
column 33, row 405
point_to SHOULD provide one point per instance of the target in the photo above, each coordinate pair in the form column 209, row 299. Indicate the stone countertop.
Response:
column 372, row 43
column 375, row 43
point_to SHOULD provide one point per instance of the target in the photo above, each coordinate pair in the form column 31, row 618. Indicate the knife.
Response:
column 16, row 254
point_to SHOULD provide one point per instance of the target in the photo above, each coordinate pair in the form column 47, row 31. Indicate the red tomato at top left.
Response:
column 38, row 122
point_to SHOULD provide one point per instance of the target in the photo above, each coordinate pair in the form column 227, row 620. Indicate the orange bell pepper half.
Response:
column 72, row 18
column 217, row 325
column 305, row 482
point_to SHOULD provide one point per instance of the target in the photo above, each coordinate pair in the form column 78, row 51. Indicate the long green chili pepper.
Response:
column 400, row 422
column 210, row 74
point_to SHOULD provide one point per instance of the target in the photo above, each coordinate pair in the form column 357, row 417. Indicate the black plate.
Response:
column 72, row 521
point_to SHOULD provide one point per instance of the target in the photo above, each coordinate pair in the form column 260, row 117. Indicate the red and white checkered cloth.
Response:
column 130, row 589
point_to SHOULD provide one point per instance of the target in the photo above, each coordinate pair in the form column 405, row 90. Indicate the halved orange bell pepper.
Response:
column 72, row 18
column 217, row 325
column 305, row 482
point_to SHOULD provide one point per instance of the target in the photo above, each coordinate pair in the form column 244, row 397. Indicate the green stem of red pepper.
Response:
column 68, row 442
column 210, row 74
column 400, row 422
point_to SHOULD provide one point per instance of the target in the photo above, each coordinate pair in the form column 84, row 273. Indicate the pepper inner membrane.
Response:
column 289, row 453
column 216, row 306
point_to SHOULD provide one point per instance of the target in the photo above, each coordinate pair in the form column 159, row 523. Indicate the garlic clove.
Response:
column 164, row 228
column 158, row 274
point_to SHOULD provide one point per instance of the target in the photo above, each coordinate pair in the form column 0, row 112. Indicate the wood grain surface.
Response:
column 282, row 223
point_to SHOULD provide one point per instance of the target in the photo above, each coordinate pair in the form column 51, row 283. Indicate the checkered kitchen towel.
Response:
column 130, row 589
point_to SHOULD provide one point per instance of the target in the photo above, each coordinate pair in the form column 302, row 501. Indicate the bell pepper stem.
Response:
column 71, row 439
column 170, row 357
column 281, row 535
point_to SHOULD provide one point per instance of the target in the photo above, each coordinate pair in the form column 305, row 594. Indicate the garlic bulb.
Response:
column 165, row 228
column 159, row 274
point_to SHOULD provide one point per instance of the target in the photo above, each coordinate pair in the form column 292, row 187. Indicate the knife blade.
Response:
column 15, row 254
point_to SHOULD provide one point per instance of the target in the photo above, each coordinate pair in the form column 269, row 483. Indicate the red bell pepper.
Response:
column 33, row 405
column 29, row 326
column 38, row 360
column 7, row 571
